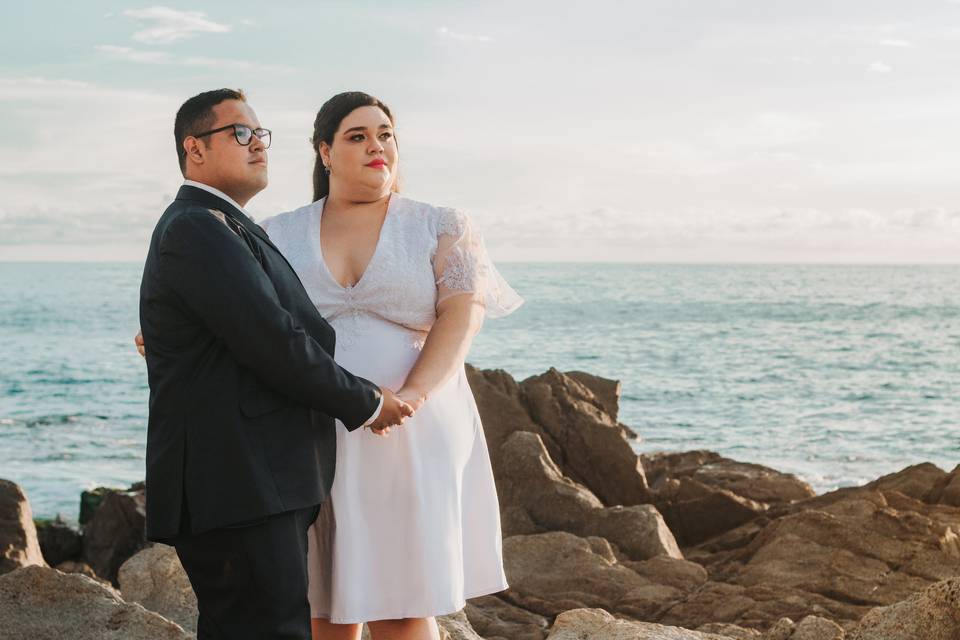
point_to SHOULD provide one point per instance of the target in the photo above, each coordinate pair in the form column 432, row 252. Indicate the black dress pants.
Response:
column 251, row 579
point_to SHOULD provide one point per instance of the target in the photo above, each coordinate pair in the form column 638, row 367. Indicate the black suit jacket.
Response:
column 243, row 386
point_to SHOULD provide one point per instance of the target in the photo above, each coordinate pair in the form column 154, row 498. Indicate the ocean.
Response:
column 838, row 374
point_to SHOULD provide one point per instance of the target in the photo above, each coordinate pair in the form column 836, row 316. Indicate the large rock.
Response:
column 19, row 546
column 696, row 512
column 817, row 628
column 59, row 542
column 585, row 433
column 835, row 556
column 597, row 624
column 39, row 603
column 455, row 626
column 605, row 391
column 573, row 419
column 948, row 489
column 932, row 614
column 857, row 551
column 155, row 578
column 493, row 618
column 116, row 531
column 552, row 572
column 752, row 481
column 536, row 497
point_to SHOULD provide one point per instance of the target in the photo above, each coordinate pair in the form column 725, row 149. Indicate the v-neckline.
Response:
column 373, row 256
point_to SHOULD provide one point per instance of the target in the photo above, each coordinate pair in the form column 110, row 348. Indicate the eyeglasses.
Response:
column 242, row 133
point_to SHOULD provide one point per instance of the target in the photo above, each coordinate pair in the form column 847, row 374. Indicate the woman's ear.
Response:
column 324, row 150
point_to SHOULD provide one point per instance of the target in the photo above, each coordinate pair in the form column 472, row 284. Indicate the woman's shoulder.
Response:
column 296, row 220
column 441, row 218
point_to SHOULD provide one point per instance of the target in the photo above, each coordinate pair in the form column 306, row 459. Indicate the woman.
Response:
column 412, row 527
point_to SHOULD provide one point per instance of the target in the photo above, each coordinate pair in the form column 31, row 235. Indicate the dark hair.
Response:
column 325, row 126
column 196, row 115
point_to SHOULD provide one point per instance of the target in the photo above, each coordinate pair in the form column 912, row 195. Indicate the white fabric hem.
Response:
column 442, row 611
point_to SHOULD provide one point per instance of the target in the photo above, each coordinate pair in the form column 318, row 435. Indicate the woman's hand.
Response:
column 141, row 348
column 412, row 396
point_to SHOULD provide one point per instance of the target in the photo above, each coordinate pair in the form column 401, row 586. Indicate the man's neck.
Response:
column 235, row 198
column 217, row 192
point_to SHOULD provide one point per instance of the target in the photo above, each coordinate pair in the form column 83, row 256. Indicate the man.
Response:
column 244, row 390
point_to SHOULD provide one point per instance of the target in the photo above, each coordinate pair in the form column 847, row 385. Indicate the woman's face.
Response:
column 363, row 156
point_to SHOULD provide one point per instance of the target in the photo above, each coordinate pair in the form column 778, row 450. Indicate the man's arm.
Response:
column 216, row 276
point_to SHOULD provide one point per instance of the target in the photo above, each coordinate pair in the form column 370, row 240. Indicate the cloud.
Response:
column 129, row 54
column 879, row 66
column 444, row 32
column 166, row 25
column 767, row 130
column 893, row 42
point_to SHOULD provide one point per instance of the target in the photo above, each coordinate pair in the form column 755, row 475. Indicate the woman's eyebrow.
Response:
column 383, row 126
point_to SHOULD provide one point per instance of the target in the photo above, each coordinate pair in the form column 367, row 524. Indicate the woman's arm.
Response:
column 459, row 318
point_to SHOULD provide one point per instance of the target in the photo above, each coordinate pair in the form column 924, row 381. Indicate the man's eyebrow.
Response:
column 383, row 126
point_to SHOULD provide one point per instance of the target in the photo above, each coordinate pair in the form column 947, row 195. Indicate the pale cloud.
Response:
column 129, row 54
column 166, row 25
column 767, row 130
column 893, row 42
column 449, row 34
column 879, row 66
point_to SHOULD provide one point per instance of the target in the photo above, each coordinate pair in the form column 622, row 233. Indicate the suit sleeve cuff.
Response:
column 376, row 414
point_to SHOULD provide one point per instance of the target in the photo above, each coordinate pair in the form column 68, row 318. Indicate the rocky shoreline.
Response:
column 599, row 543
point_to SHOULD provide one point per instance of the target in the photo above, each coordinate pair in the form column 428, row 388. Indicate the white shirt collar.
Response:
column 218, row 193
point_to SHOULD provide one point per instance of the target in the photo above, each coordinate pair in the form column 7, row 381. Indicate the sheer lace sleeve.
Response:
column 461, row 265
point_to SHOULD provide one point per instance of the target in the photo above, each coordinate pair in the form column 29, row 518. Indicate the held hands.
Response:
column 141, row 348
column 395, row 410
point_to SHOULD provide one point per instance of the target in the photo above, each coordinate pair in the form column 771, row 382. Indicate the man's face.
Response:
column 236, row 169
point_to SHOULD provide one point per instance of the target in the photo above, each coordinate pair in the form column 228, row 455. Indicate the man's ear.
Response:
column 194, row 149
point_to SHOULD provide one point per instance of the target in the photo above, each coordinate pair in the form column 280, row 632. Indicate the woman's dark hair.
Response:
column 196, row 115
column 328, row 120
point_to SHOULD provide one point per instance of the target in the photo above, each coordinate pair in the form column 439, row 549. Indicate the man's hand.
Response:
column 141, row 348
column 393, row 413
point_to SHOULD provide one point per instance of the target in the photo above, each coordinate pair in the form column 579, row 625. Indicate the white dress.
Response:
column 412, row 526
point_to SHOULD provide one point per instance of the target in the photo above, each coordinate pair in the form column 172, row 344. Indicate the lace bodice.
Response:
column 425, row 254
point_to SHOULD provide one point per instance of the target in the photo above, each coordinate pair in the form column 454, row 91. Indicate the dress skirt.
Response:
column 412, row 526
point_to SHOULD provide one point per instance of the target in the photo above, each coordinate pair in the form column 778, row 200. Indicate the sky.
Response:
column 644, row 131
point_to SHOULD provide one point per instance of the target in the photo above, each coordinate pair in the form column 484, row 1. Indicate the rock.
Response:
column 918, row 481
column 39, row 603
column 574, row 423
column 817, row 628
column 456, row 627
column 855, row 551
column 19, row 546
column 585, row 433
column 503, row 410
column 116, row 532
column 597, row 624
column 674, row 572
column 492, row 617
column 752, row 481
column 536, row 497
column 552, row 572
column 90, row 502
column 932, row 614
column 781, row 630
column 155, row 578
column 696, row 512
column 59, row 541
column 605, row 391
column 729, row 630
column 948, row 492
column 752, row 606
column 73, row 566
